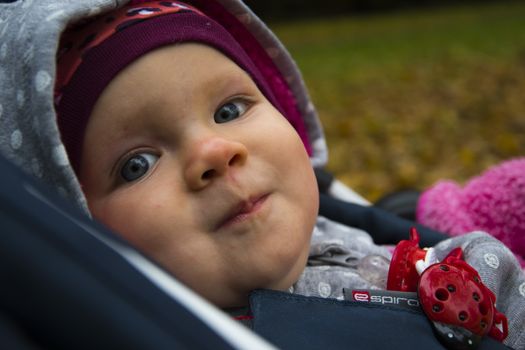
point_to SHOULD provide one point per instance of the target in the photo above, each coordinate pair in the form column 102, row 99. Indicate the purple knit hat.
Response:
column 91, row 54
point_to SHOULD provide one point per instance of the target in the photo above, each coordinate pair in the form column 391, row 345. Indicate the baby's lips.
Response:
column 239, row 208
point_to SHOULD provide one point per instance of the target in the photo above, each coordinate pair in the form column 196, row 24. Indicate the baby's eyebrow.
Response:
column 228, row 79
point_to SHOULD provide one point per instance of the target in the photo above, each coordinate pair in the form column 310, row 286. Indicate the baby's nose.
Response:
column 212, row 158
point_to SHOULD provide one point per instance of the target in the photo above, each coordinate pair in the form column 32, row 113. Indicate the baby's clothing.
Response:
column 368, row 263
column 342, row 257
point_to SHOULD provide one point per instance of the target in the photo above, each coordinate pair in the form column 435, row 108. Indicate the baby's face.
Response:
column 186, row 158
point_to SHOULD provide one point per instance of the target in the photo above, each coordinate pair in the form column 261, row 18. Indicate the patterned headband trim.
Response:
column 84, row 36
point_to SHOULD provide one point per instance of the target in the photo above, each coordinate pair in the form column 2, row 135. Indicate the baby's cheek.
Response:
column 129, row 218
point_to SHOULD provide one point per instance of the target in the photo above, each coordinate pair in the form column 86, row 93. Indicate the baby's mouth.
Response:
column 242, row 211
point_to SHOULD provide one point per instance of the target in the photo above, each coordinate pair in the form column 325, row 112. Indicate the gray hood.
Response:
column 29, row 35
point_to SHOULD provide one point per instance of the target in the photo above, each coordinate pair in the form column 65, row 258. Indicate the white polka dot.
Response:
column 60, row 156
column 3, row 51
column 310, row 107
column 20, row 98
column 521, row 289
column 245, row 18
column 324, row 289
column 273, row 52
column 16, row 139
column 42, row 80
column 491, row 260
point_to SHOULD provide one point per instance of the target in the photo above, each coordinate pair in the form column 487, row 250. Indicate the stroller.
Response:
column 69, row 282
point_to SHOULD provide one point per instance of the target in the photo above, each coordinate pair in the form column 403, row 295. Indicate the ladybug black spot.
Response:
column 441, row 294
column 463, row 316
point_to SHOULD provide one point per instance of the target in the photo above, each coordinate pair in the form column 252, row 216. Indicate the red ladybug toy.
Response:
column 462, row 309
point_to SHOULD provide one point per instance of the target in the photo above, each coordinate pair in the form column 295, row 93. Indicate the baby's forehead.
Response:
column 189, row 68
column 173, row 81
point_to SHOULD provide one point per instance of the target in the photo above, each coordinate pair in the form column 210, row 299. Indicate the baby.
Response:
column 188, row 142
column 185, row 156
column 197, row 164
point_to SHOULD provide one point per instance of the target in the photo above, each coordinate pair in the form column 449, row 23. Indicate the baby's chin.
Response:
column 230, row 300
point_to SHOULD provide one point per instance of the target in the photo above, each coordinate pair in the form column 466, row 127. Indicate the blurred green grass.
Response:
column 407, row 98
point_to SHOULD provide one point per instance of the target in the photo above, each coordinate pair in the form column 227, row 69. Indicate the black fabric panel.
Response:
column 297, row 322
column 384, row 227
column 65, row 289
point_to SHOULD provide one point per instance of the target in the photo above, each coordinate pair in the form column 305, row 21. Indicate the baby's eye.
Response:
column 230, row 111
column 137, row 166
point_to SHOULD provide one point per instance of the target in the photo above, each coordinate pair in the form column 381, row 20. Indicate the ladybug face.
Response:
column 456, row 296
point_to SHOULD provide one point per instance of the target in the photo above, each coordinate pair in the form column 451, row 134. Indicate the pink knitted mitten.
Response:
column 493, row 202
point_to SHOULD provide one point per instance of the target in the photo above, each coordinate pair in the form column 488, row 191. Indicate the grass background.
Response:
column 407, row 98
